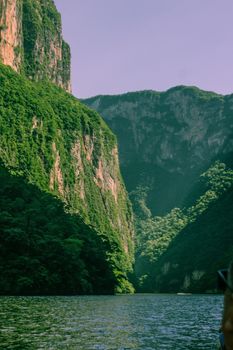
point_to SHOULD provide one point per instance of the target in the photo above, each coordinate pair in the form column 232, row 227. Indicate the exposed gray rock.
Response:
column 166, row 139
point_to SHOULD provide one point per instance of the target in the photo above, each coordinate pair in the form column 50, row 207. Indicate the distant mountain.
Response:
column 167, row 139
column 176, row 156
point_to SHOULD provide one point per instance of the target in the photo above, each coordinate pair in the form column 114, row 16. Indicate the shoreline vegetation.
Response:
column 67, row 224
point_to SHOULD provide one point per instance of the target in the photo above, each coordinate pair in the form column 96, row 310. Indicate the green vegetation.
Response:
column 46, row 135
column 66, row 223
column 191, row 261
column 3, row 27
column 163, row 137
column 166, row 141
column 44, row 250
column 45, row 54
column 174, row 251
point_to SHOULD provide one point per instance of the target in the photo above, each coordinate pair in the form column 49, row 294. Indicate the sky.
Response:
column 129, row 45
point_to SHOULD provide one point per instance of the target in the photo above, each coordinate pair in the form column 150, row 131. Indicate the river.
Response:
column 141, row 322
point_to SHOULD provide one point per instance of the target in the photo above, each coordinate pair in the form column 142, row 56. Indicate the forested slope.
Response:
column 176, row 155
column 43, row 249
column 183, row 250
column 55, row 143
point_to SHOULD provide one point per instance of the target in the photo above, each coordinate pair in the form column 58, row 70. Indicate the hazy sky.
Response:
column 128, row 45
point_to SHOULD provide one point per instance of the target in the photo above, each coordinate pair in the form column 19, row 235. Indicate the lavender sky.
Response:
column 128, row 45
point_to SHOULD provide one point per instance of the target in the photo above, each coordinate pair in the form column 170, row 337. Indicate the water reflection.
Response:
column 142, row 322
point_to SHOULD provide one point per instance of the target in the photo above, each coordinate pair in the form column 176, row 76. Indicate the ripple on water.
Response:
column 140, row 322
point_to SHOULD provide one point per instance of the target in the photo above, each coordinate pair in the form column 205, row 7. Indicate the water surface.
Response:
column 141, row 322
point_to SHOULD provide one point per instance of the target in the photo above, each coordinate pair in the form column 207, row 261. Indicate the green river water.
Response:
column 141, row 322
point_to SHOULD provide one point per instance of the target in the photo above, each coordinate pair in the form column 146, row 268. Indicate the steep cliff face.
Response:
column 31, row 41
column 167, row 139
column 46, row 54
column 59, row 145
column 176, row 149
column 11, row 33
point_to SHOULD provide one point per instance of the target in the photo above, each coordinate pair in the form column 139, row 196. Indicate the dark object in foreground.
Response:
column 225, row 283
column 221, row 340
column 222, row 280
column 222, row 285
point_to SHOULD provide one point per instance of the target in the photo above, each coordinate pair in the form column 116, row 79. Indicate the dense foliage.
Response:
column 174, row 251
column 166, row 139
column 43, row 249
column 45, row 54
column 44, row 133
column 193, row 257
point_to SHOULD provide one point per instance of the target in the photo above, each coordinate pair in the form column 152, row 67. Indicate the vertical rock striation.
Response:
column 31, row 41
column 167, row 138
column 56, row 143
column 51, row 139
column 11, row 33
column 46, row 54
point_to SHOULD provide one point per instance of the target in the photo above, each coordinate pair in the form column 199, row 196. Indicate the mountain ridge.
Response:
column 177, row 123
column 170, row 89
column 168, row 143
column 56, row 143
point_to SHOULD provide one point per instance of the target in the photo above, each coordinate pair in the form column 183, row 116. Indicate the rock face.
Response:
column 31, row 41
column 46, row 54
column 11, row 33
column 53, row 141
column 167, row 139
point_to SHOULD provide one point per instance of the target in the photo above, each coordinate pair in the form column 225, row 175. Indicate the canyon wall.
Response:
column 31, row 41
